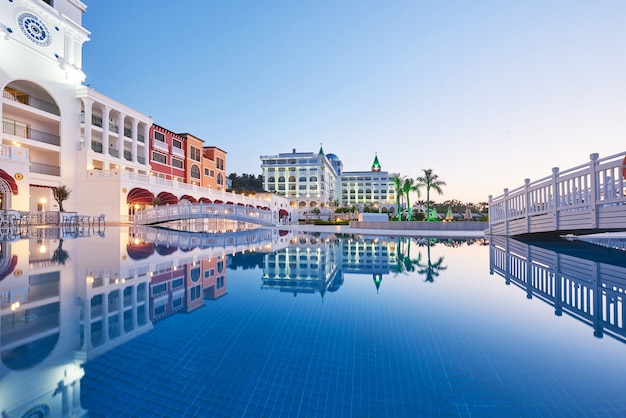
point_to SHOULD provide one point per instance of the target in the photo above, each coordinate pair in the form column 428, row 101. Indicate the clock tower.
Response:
column 49, row 32
column 40, row 70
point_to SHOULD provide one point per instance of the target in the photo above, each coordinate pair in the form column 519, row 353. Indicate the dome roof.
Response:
column 332, row 157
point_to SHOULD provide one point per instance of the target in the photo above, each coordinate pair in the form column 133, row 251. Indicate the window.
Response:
column 220, row 179
column 177, row 163
column 195, row 292
column 177, row 302
column 292, row 179
column 219, row 283
column 302, row 178
column 281, row 179
column 195, row 274
column 157, row 289
column 177, row 144
column 176, row 283
column 194, row 172
column 159, row 136
column 159, row 158
column 195, row 153
column 271, row 179
column 206, row 171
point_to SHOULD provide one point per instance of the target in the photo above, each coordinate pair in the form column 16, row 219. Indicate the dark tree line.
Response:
column 246, row 183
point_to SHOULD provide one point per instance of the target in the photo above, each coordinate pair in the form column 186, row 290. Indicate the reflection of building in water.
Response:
column 317, row 263
column 590, row 289
column 373, row 256
column 183, row 288
column 307, row 265
column 40, row 369
column 64, row 301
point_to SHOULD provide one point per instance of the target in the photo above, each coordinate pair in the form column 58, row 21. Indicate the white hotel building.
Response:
column 312, row 180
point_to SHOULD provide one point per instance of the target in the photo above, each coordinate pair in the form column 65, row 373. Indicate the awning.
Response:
column 140, row 251
column 139, row 196
column 191, row 199
column 10, row 180
column 167, row 198
column 4, row 272
column 218, row 201
column 164, row 250
column 283, row 213
column 204, row 200
column 230, row 203
column 240, row 204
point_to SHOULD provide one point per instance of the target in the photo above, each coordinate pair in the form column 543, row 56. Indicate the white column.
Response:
column 88, row 103
column 147, row 144
column 105, row 316
column 106, row 110
column 120, row 135
column 134, row 142
column 87, row 324
column 134, row 309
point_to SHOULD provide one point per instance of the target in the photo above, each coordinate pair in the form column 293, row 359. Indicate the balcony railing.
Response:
column 28, row 100
column 114, row 153
column 113, row 128
column 178, row 151
column 96, row 121
column 22, row 130
column 141, row 160
column 97, row 147
column 128, row 133
column 47, row 169
column 128, row 156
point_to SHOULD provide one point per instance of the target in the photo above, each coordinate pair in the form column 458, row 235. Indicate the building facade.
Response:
column 312, row 180
column 307, row 179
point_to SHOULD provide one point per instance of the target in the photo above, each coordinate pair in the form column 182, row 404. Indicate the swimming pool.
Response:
column 288, row 324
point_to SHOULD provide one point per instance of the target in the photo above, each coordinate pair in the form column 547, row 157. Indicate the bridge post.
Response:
column 554, row 207
column 593, row 195
column 506, row 212
column 490, row 215
column 527, row 210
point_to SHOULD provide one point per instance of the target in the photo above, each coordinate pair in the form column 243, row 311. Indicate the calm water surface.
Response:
column 144, row 322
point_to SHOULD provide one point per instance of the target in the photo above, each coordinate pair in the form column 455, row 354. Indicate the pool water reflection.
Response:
column 147, row 322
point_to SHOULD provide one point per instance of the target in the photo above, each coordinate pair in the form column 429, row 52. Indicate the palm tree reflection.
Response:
column 431, row 270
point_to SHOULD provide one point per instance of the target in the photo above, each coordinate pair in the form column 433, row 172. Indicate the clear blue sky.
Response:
column 485, row 93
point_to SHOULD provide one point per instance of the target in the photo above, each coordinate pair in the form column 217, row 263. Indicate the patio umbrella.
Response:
column 468, row 214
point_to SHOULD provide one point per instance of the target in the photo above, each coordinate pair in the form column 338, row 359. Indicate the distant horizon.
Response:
column 484, row 93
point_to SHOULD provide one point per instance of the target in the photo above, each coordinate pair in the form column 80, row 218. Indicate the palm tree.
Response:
column 407, row 187
column 430, row 181
column 397, row 183
column 61, row 194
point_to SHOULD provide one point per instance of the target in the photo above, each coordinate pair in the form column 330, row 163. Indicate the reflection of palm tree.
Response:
column 431, row 270
column 60, row 256
column 404, row 262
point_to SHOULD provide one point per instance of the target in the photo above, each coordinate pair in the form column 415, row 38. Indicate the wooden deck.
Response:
column 587, row 198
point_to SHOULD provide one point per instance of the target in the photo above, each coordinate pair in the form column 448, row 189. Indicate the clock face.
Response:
column 34, row 29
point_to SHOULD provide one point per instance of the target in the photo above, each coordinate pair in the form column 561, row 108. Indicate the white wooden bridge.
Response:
column 587, row 198
column 196, row 211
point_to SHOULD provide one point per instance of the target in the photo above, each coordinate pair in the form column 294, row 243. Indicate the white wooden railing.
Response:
column 189, row 211
column 587, row 197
